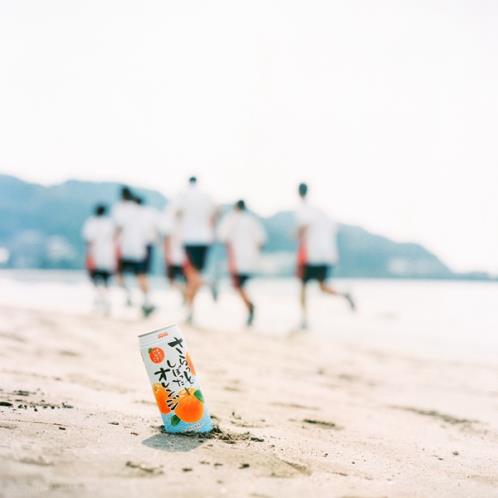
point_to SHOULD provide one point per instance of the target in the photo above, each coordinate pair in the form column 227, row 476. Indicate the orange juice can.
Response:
column 174, row 380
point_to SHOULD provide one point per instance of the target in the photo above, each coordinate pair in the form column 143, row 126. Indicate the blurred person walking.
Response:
column 174, row 254
column 196, row 212
column 244, row 236
column 98, row 233
column 133, row 234
column 119, row 213
column 151, row 219
column 317, row 251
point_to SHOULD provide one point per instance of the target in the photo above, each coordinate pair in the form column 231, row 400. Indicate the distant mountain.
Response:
column 40, row 228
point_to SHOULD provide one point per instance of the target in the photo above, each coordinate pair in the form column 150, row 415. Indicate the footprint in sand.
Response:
column 444, row 417
column 238, row 421
column 277, row 467
column 95, row 384
column 295, row 405
column 66, row 352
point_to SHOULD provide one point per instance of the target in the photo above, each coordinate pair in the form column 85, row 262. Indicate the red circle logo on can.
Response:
column 156, row 355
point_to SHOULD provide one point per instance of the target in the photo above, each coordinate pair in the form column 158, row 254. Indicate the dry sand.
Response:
column 296, row 417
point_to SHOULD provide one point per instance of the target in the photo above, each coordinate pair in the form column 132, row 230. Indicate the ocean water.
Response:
column 436, row 318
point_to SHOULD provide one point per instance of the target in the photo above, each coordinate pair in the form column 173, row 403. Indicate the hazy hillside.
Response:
column 40, row 228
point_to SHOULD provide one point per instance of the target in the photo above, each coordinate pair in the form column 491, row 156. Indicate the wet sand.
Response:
column 294, row 417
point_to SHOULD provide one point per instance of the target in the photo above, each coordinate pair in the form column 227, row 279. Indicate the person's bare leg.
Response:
column 248, row 303
column 174, row 284
column 120, row 280
column 327, row 289
column 304, row 310
column 106, row 303
column 143, row 284
column 194, row 283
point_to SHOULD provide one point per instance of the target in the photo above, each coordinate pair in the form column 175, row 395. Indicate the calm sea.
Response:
column 451, row 319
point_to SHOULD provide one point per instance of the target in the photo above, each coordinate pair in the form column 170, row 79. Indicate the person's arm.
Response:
column 86, row 233
column 165, row 228
column 117, row 232
column 302, row 226
column 177, row 207
column 215, row 213
column 222, row 233
column 302, row 221
column 261, row 235
column 156, row 224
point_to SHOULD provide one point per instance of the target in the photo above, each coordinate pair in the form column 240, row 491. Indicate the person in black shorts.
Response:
column 133, row 267
column 98, row 233
column 100, row 277
column 133, row 235
column 320, row 273
column 196, row 214
column 317, row 251
column 243, row 235
column 152, row 227
column 196, row 256
column 174, row 253
column 175, row 273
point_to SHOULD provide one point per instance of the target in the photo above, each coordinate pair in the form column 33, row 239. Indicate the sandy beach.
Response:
column 293, row 415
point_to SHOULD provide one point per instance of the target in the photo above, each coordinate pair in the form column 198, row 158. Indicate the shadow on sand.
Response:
column 173, row 442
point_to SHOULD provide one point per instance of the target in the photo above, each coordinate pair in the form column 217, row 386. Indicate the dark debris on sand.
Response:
column 149, row 469
column 321, row 423
column 449, row 419
column 18, row 396
column 220, row 434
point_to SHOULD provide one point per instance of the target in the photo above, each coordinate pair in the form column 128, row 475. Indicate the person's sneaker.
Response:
column 250, row 316
column 213, row 287
column 148, row 309
column 189, row 319
column 349, row 298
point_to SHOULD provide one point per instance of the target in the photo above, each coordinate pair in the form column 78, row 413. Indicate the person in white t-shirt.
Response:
column 244, row 236
column 197, row 213
column 118, row 214
column 98, row 233
column 151, row 220
column 317, row 250
column 133, row 233
column 174, row 254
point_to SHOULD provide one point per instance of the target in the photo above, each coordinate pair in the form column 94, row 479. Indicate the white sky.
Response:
column 388, row 108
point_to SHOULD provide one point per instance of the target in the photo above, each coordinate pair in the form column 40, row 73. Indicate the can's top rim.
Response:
column 157, row 330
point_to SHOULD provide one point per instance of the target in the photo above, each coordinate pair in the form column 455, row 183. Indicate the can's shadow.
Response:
column 173, row 442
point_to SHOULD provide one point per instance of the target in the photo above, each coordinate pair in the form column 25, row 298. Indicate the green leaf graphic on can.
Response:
column 199, row 395
column 175, row 420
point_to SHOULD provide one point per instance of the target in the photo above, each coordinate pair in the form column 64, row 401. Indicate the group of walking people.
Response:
column 121, row 241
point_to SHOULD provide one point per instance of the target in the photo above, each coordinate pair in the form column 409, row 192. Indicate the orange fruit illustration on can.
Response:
column 190, row 407
column 161, row 396
column 156, row 355
column 190, row 364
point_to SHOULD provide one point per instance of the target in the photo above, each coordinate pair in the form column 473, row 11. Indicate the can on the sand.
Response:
column 174, row 381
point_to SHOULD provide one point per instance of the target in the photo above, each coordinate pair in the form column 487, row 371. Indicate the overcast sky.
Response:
column 388, row 108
